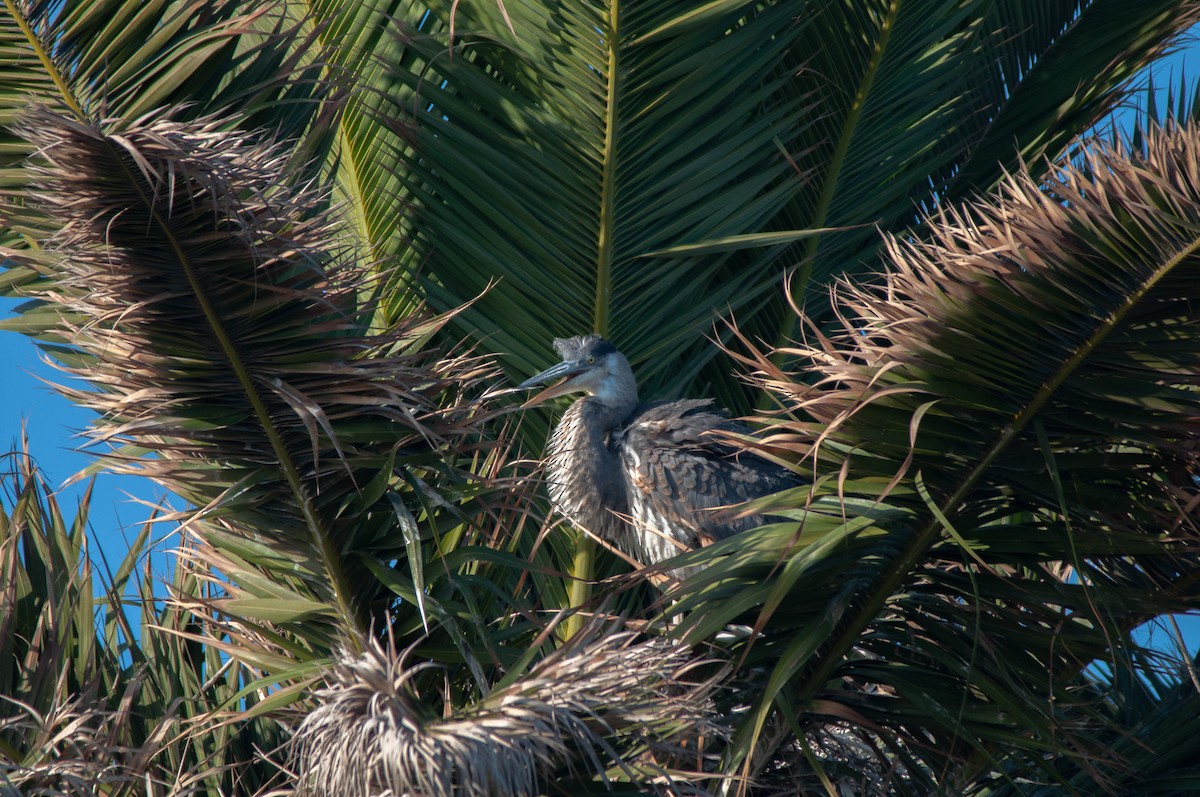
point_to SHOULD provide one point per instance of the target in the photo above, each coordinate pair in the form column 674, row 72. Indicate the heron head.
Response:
column 591, row 365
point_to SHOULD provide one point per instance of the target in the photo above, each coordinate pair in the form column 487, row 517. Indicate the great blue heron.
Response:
column 652, row 479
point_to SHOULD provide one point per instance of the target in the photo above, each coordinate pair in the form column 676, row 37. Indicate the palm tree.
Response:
column 263, row 232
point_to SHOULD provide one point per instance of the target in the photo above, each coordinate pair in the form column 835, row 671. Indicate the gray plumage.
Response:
column 653, row 479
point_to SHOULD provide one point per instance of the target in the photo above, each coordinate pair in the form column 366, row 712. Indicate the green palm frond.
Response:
column 360, row 46
column 554, row 147
column 589, row 162
column 110, row 58
column 1153, row 701
column 1056, row 79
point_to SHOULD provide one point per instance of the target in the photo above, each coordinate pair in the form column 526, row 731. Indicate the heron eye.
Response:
column 591, row 360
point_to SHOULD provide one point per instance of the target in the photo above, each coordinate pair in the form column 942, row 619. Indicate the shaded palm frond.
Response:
column 1151, row 700
column 1031, row 47
column 1012, row 405
column 360, row 44
column 614, row 186
column 609, row 708
column 1001, row 83
column 225, row 334
column 579, row 148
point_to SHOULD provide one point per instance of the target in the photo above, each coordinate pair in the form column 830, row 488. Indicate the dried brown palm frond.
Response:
column 612, row 707
column 205, row 300
column 1014, row 401
column 72, row 750
column 1040, row 332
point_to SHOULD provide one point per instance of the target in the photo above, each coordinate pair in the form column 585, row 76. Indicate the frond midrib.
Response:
column 837, row 161
column 602, row 311
column 339, row 581
column 43, row 55
column 583, row 563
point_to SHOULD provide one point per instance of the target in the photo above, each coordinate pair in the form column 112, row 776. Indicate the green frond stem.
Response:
column 608, row 179
column 583, row 564
column 48, row 64
column 803, row 274
column 356, row 210
column 583, row 568
column 346, row 155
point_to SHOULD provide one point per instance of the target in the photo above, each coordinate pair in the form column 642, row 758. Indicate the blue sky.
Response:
column 53, row 423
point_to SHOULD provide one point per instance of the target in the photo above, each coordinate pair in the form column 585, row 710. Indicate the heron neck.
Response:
column 602, row 416
column 583, row 473
column 611, row 404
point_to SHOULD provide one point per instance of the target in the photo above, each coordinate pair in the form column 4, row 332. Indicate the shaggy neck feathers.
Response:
column 583, row 472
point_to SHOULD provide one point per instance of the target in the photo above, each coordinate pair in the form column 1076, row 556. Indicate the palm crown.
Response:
column 285, row 243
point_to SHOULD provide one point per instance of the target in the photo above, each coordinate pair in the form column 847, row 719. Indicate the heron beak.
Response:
column 563, row 371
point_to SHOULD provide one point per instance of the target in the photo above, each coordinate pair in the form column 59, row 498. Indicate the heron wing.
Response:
column 682, row 476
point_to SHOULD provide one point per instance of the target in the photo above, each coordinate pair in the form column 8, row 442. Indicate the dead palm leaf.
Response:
column 611, row 707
